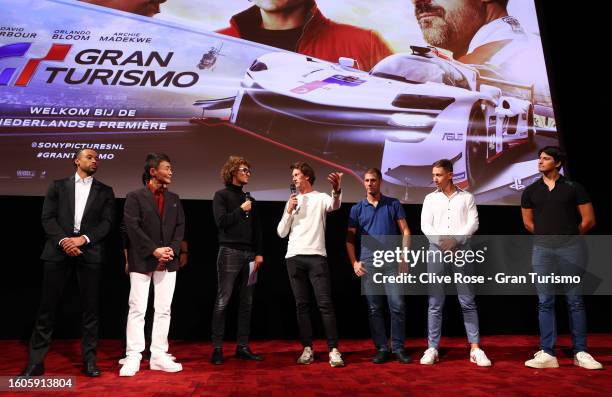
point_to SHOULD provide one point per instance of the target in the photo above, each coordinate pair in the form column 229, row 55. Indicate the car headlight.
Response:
column 412, row 120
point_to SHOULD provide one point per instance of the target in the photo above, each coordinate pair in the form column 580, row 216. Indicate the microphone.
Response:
column 293, row 190
column 247, row 198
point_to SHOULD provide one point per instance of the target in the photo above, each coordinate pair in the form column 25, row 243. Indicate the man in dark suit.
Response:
column 77, row 216
column 155, row 225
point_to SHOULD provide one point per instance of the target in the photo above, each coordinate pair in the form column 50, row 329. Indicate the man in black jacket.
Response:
column 240, row 244
column 77, row 216
column 155, row 225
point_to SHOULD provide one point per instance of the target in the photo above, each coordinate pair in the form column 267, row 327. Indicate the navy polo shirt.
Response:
column 376, row 221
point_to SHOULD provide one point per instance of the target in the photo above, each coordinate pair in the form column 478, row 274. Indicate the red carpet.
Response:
column 279, row 375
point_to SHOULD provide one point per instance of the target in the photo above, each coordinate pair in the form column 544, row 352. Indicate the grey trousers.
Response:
column 437, row 296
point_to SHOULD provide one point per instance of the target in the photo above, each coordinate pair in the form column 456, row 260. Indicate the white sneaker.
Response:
column 430, row 356
column 124, row 359
column 542, row 360
column 479, row 357
column 335, row 358
column 130, row 366
column 307, row 356
column 585, row 360
column 164, row 363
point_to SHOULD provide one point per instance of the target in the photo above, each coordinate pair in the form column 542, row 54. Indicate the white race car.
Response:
column 409, row 111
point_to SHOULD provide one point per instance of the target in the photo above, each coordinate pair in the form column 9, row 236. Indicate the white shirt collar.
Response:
column 85, row 181
column 457, row 191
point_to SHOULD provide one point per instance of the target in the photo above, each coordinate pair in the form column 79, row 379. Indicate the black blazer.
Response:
column 147, row 231
column 58, row 219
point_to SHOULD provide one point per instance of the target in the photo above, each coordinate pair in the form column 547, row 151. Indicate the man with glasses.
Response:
column 240, row 244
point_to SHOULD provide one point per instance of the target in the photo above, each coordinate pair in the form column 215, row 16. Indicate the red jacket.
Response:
column 322, row 38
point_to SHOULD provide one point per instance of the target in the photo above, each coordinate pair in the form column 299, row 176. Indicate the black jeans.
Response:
column 232, row 265
column 54, row 280
column 313, row 268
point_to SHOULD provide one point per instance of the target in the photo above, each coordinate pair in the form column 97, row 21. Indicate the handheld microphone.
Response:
column 247, row 198
column 293, row 190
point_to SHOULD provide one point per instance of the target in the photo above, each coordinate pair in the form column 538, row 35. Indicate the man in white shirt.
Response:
column 481, row 32
column 77, row 216
column 448, row 219
column 304, row 221
column 468, row 28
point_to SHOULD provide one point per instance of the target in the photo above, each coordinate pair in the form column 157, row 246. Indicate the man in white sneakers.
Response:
column 155, row 225
column 448, row 218
column 304, row 221
column 556, row 210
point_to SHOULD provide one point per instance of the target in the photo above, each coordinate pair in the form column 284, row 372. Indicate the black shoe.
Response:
column 217, row 356
column 33, row 370
column 381, row 357
column 403, row 357
column 91, row 369
column 245, row 353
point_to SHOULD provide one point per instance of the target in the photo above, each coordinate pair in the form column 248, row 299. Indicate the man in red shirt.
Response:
column 155, row 226
column 299, row 26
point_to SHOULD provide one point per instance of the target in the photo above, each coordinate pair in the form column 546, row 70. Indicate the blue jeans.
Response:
column 568, row 260
column 397, row 307
column 437, row 296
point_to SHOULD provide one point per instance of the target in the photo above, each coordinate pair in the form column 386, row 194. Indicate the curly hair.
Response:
column 230, row 168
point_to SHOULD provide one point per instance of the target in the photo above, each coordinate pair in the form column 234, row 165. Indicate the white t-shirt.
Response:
column 306, row 224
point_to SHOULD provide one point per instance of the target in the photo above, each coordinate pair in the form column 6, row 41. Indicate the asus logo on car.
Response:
column 450, row 136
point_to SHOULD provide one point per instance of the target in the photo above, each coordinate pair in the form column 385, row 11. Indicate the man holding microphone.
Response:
column 240, row 244
column 304, row 222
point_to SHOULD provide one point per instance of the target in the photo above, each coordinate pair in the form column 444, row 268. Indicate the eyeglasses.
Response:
column 245, row 170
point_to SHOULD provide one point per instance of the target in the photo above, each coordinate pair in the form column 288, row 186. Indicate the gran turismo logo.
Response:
column 57, row 52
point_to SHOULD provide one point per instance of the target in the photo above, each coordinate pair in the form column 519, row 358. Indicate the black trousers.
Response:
column 232, row 269
column 312, row 269
column 55, row 276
